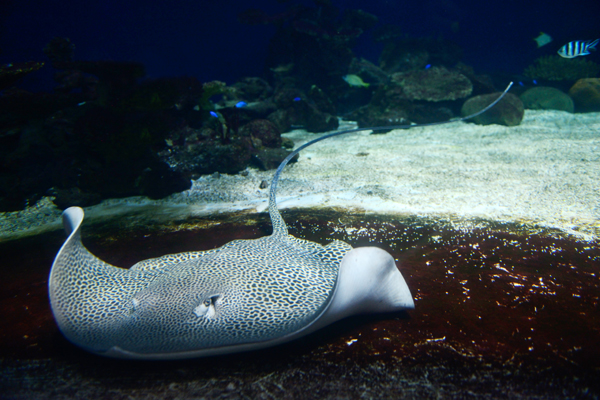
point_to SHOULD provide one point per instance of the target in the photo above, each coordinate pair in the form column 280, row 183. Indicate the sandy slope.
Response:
column 544, row 171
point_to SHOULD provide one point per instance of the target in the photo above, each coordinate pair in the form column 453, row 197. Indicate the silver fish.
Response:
column 577, row 48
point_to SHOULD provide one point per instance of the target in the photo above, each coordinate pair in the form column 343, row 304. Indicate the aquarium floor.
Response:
column 501, row 311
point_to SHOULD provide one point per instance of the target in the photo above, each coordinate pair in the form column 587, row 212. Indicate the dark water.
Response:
column 206, row 39
column 502, row 311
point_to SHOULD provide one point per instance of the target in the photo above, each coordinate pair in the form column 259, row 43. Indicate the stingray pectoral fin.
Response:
column 72, row 219
column 86, row 294
column 368, row 282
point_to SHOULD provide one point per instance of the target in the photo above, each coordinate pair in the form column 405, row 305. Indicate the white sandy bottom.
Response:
column 545, row 171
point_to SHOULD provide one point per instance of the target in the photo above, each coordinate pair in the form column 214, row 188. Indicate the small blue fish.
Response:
column 577, row 48
column 214, row 114
column 428, row 66
column 297, row 98
column 241, row 104
column 533, row 81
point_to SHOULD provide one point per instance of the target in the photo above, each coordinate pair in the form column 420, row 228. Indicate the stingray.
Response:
column 245, row 295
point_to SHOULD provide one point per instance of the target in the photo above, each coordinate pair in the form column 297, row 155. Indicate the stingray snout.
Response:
column 368, row 282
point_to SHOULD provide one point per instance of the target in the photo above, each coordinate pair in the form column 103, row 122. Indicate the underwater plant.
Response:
column 555, row 68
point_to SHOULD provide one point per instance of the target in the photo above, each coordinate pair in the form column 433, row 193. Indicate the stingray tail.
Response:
column 279, row 226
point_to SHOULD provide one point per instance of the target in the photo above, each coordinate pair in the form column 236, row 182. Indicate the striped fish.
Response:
column 577, row 48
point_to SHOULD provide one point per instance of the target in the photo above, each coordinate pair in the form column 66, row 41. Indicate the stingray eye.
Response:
column 134, row 304
column 206, row 309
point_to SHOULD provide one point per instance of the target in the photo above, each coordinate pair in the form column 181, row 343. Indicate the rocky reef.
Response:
column 105, row 132
column 418, row 96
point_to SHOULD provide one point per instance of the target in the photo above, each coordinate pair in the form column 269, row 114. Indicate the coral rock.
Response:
column 586, row 95
column 321, row 122
column 209, row 156
column 321, row 101
column 509, row 111
column 392, row 60
column 301, row 112
column 267, row 159
column 371, row 115
column 264, row 130
column 433, row 84
column 251, row 89
column 547, row 98
column 281, row 119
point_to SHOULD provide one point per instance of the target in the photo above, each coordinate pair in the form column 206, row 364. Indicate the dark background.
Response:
column 204, row 39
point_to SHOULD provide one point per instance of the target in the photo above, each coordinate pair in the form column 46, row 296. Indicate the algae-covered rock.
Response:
column 509, row 111
column 586, row 95
column 264, row 130
column 433, row 84
column 547, row 98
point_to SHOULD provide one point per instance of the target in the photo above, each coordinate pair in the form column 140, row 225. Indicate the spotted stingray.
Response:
column 245, row 295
